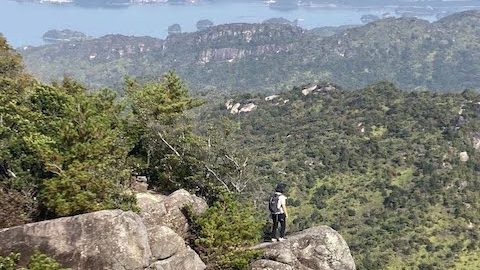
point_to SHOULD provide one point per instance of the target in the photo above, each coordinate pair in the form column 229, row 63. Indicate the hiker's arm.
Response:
column 284, row 207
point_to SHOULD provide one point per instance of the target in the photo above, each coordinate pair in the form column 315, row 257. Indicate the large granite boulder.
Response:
column 111, row 239
column 184, row 260
column 164, row 242
column 114, row 239
column 317, row 248
column 158, row 210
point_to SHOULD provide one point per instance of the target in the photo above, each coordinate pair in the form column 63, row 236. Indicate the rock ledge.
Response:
column 317, row 248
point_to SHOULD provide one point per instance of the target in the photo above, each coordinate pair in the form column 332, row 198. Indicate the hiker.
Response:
column 278, row 209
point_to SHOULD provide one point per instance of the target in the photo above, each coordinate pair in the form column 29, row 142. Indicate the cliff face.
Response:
column 412, row 53
column 232, row 42
column 104, row 61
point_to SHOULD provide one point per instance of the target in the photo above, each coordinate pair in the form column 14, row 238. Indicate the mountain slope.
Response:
column 412, row 53
column 104, row 61
column 396, row 173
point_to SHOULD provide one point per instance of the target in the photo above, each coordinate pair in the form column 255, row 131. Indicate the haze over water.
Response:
column 24, row 23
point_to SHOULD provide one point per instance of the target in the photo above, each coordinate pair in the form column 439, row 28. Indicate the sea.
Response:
column 24, row 23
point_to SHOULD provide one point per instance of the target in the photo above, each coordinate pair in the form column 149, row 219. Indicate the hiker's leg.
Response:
column 274, row 225
column 283, row 223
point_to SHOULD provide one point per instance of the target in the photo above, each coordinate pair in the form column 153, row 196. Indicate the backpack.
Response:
column 273, row 204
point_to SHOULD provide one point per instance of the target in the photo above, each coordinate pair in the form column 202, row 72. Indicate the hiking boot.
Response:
column 281, row 239
column 274, row 240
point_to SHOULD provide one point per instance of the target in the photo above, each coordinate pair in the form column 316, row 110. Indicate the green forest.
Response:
column 397, row 173
column 384, row 167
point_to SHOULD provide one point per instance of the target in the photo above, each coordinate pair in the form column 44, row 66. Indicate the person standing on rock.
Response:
column 278, row 210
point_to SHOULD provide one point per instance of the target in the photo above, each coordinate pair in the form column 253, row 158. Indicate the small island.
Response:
column 204, row 24
column 174, row 29
column 54, row 36
column 281, row 20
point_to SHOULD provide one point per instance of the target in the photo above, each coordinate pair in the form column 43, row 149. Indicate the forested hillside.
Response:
column 396, row 173
column 65, row 151
column 412, row 53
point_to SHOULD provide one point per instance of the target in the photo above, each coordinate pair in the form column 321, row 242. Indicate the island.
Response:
column 54, row 36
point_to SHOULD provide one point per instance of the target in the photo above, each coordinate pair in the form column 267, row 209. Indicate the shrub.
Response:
column 85, row 188
column 38, row 261
column 15, row 208
column 224, row 234
column 9, row 262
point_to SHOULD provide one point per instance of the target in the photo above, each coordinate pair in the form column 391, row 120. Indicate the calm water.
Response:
column 25, row 23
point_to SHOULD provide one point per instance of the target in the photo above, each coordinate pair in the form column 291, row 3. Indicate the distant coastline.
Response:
column 276, row 4
column 141, row 17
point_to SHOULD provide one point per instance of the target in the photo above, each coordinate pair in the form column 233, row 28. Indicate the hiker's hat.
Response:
column 280, row 187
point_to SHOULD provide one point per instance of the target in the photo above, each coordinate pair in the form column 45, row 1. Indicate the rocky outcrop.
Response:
column 236, row 108
column 114, row 239
column 476, row 140
column 272, row 97
column 111, row 239
column 463, row 156
column 318, row 88
column 157, row 210
column 247, row 108
column 319, row 248
column 185, row 260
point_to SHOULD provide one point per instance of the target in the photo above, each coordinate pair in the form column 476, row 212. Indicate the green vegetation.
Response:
column 224, row 234
column 38, row 261
column 379, row 165
column 166, row 149
column 63, row 146
column 66, row 151
column 396, row 173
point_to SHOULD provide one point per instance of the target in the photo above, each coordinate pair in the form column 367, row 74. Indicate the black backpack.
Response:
column 273, row 204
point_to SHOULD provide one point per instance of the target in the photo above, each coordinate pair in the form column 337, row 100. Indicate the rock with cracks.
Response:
column 158, row 210
column 317, row 248
column 114, row 239
column 110, row 239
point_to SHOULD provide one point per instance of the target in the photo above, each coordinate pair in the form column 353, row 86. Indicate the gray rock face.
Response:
column 318, row 248
column 157, row 210
column 185, row 260
column 114, row 239
column 164, row 242
column 101, row 240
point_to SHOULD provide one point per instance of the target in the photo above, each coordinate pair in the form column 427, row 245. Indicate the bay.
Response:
column 23, row 23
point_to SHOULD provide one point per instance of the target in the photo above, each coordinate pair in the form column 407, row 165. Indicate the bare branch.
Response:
column 54, row 168
column 239, row 186
column 245, row 163
column 11, row 173
column 233, row 160
column 170, row 146
column 218, row 178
